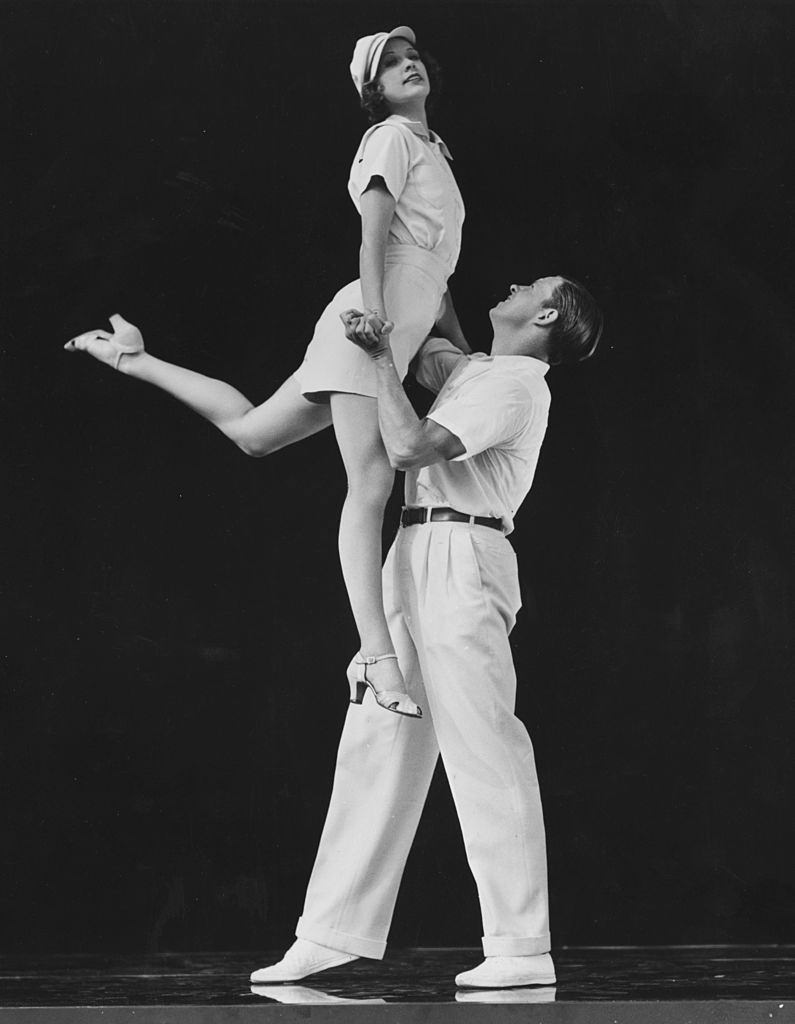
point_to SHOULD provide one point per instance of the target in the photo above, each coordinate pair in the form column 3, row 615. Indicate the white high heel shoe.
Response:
column 124, row 340
column 397, row 701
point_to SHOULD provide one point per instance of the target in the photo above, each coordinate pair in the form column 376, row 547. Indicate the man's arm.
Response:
column 447, row 326
column 435, row 361
column 410, row 442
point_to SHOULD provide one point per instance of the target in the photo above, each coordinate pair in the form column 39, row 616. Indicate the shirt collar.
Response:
column 477, row 363
column 514, row 363
column 422, row 132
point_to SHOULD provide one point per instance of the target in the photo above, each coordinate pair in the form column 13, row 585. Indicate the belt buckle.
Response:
column 407, row 519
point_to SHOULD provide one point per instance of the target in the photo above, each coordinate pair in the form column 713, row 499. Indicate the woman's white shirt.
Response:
column 413, row 162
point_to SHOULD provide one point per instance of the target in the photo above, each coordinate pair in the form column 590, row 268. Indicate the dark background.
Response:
column 175, row 629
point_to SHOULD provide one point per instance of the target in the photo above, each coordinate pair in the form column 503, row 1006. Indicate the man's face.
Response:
column 524, row 302
column 512, row 318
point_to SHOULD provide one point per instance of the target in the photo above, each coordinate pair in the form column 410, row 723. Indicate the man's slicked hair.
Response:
column 575, row 333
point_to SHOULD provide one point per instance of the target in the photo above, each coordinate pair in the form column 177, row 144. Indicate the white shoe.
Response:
column 109, row 346
column 301, row 959
column 507, row 971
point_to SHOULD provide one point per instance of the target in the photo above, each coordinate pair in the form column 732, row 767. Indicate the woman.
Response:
column 411, row 213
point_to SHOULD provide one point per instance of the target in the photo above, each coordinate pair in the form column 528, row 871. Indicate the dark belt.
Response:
column 427, row 514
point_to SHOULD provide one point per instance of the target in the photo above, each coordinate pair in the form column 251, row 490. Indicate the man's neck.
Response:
column 519, row 345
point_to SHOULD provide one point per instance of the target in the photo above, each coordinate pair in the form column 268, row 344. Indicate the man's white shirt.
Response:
column 498, row 406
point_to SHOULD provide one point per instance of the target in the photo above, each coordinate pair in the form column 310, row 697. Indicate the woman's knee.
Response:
column 371, row 487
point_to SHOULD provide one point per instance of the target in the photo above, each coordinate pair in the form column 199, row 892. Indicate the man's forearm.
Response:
column 410, row 442
column 401, row 428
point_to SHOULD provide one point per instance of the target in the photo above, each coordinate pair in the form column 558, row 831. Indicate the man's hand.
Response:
column 367, row 330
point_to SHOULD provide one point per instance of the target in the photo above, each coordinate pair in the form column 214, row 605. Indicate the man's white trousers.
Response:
column 451, row 594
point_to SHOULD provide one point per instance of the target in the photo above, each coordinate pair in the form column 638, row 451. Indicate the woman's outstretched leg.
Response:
column 370, row 479
column 258, row 430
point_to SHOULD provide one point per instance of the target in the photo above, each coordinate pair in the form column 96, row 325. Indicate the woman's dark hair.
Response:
column 574, row 335
column 374, row 104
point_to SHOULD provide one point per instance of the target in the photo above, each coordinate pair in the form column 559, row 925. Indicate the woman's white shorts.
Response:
column 414, row 283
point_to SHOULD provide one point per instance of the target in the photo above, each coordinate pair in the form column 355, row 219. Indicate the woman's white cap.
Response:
column 368, row 50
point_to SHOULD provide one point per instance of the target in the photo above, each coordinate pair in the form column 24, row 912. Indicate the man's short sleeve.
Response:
column 384, row 153
column 485, row 414
column 435, row 361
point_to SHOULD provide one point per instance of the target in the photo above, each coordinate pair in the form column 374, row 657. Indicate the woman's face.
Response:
column 402, row 75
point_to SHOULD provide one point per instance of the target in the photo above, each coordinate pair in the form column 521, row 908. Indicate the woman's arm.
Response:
column 447, row 326
column 378, row 207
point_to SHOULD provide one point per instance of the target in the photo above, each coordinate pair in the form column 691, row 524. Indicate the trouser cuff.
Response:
column 374, row 949
column 506, row 945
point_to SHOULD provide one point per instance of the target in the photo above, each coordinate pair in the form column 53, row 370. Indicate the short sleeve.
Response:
column 384, row 152
column 485, row 414
column 435, row 361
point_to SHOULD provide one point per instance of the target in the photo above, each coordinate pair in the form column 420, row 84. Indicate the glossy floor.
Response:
column 758, row 982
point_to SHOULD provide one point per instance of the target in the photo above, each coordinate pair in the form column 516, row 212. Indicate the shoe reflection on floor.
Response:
column 316, row 996
column 538, row 994
column 302, row 994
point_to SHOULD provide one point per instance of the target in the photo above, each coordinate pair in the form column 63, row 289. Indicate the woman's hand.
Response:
column 368, row 330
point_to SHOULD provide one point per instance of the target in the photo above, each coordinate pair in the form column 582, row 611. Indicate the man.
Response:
column 451, row 595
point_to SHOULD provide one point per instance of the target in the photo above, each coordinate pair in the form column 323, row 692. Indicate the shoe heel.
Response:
column 356, row 683
column 357, row 691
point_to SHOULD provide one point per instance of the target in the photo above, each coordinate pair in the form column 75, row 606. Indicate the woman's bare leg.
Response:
column 284, row 418
column 370, row 479
column 258, row 430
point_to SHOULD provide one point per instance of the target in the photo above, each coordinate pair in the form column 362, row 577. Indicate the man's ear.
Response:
column 546, row 316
